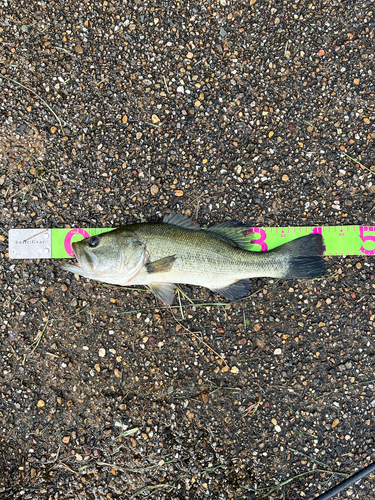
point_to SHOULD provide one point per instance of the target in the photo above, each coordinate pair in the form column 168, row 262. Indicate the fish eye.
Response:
column 94, row 241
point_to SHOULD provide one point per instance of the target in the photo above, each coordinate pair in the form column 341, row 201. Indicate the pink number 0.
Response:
column 362, row 229
column 68, row 240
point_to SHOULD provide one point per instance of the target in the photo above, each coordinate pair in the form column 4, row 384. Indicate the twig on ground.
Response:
column 189, row 332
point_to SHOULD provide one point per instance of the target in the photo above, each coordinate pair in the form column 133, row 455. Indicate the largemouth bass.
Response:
column 178, row 251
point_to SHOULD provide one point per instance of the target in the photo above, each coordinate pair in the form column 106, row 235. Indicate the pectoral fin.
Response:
column 163, row 291
column 162, row 265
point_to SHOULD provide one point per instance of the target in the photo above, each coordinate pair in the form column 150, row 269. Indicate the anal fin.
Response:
column 235, row 291
column 163, row 291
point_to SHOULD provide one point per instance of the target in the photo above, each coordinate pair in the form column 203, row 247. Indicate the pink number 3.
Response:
column 363, row 229
column 260, row 241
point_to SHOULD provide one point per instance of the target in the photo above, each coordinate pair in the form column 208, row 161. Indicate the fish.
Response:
column 176, row 250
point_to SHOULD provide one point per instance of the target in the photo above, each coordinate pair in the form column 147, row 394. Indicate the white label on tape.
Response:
column 29, row 243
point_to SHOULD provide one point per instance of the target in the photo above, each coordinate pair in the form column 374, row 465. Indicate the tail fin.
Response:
column 305, row 261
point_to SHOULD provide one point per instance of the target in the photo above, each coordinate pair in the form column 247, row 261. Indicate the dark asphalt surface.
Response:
column 115, row 112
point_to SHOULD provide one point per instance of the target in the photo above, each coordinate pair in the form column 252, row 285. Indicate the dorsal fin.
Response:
column 181, row 220
column 235, row 232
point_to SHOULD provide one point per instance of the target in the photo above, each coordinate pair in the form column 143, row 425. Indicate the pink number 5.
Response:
column 362, row 229
column 261, row 240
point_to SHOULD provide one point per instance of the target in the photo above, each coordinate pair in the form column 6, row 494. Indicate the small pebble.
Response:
column 335, row 423
column 101, row 352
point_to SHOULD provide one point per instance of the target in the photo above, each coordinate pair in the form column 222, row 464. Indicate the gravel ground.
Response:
column 120, row 111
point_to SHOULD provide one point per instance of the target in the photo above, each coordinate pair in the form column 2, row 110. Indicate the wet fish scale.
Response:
column 203, row 258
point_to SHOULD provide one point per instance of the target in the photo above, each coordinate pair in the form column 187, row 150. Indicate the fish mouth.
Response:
column 76, row 264
column 73, row 265
column 78, row 261
column 86, row 260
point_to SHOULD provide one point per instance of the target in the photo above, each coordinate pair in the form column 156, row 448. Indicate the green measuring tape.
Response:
column 56, row 243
